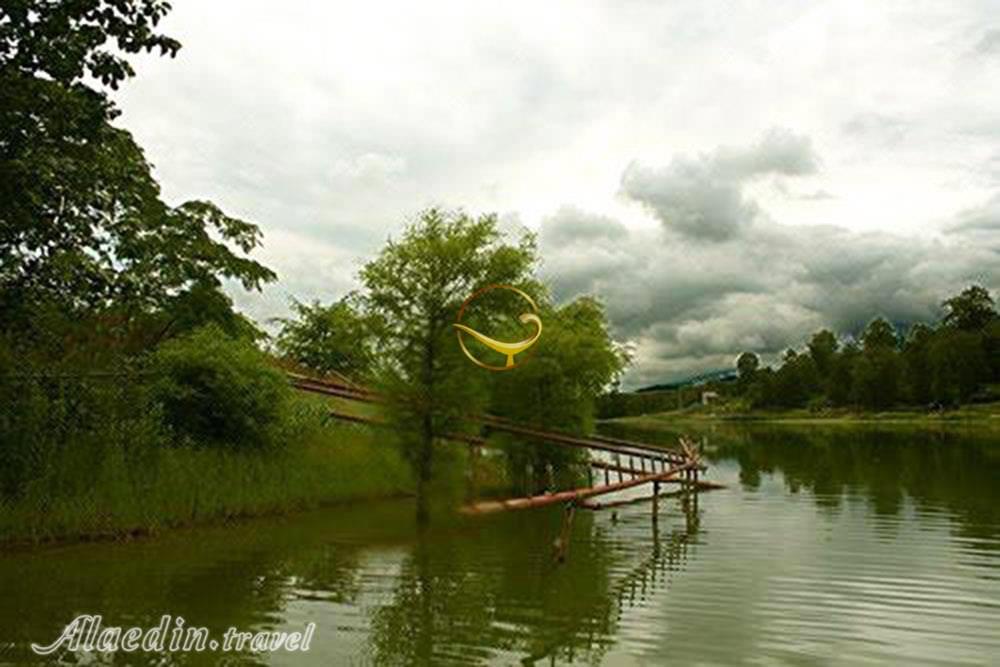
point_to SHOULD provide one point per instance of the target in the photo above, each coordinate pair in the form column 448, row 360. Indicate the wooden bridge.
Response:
column 633, row 464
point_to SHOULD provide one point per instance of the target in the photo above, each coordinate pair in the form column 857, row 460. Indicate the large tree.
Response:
column 413, row 290
column 83, row 226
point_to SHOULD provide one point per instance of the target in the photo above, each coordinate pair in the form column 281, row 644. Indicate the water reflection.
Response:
column 829, row 545
column 379, row 589
column 946, row 468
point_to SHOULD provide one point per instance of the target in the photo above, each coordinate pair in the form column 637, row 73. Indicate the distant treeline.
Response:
column 954, row 362
column 934, row 366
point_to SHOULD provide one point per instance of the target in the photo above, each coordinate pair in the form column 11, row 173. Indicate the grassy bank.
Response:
column 987, row 414
column 132, row 487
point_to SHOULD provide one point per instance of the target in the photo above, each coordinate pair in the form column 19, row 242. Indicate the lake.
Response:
column 830, row 545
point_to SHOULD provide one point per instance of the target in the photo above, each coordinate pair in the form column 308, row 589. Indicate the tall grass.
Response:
column 95, row 460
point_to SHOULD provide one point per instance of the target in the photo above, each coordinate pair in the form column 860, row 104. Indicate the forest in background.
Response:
column 936, row 367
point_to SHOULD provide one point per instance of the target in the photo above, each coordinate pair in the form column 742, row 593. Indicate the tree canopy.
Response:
column 83, row 226
column 943, row 365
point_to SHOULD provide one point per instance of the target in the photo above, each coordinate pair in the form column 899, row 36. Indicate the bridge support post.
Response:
column 562, row 542
column 656, row 500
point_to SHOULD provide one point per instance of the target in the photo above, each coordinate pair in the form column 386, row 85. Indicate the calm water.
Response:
column 836, row 546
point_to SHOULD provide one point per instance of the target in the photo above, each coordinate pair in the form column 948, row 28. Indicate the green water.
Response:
column 829, row 546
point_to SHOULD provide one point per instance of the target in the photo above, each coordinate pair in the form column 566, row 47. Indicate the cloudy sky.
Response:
column 726, row 176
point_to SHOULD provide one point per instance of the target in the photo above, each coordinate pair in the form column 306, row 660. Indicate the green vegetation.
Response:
column 220, row 392
column 412, row 291
column 575, row 361
column 400, row 333
column 136, row 397
column 132, row 395
column 954, row 367
column 943, row 366
column 90, row 456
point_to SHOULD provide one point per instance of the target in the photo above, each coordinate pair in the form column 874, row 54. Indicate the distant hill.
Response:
column 722, row 375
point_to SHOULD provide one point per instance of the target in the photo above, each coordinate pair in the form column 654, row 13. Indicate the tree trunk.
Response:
column 424, row 463
column 426, row 455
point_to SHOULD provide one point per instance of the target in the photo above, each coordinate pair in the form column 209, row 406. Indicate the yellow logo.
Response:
column 506, row 349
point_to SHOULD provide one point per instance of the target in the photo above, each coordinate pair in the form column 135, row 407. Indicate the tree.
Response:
column 66, row 40
column 916, row 363
column 795, row 381
column 842, row 374
column 991, row 347
column 877, row 374
column 972, row 310
column 574, row 361
column 879, row 335
column 746, row 365
column 327, row 339
column 957, row 364
column 413, row 290
column 82, row 223
column 219, row 391
column 822, row 348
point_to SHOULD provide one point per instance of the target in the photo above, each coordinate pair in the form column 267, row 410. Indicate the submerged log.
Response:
column 574, row 495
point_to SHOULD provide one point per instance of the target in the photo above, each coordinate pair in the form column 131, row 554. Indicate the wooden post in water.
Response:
column 562, row 542
column 656, row 500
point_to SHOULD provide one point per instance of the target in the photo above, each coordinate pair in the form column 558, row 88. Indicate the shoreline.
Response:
column 986, row 414
column 145, row 533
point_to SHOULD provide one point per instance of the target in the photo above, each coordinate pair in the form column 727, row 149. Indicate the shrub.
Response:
column 219, row 391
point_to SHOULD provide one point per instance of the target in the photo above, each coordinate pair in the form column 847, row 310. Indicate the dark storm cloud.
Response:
column 702, row 198
column 692, row 306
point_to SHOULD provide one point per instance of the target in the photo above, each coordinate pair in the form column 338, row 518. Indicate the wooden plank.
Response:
column 701, row 486
column 498, row 423
column 574, row 495
column 375, row 421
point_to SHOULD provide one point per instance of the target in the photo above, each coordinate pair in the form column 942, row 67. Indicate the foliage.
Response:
column 219, row 391
column 115, row 471
column 327, row 339
column 82, row 223
column 972, row 310
column 573, row 363
column 944, row 365
column 823, row 348
column 412, row 291
column 746, row 365
column 66, row 40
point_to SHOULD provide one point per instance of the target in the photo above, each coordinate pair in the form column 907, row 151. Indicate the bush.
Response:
column 220, row 391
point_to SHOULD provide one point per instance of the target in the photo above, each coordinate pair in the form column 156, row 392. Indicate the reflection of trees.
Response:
column 474, row 592
column 470, row 598
column 953, row 467
column 243, row 576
